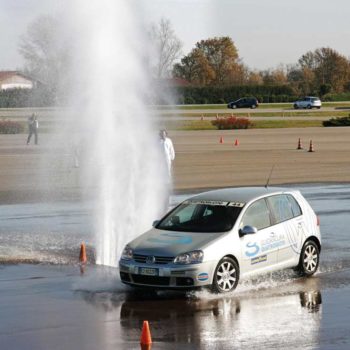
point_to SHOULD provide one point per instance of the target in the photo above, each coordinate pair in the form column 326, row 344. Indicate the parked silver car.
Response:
column 219, row 237
column 308, row 102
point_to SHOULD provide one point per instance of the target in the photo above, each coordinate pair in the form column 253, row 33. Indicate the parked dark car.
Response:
column 244, row 102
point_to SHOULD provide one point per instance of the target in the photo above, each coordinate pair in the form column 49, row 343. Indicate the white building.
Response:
column 15, row 80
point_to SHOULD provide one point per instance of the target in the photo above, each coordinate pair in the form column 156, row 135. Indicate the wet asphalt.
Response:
column 52, row 304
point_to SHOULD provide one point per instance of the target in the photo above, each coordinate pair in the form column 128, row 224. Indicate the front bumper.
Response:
column 171, row 276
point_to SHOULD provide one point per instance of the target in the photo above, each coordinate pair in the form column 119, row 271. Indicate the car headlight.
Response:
column 127, row 253
column 194, row 257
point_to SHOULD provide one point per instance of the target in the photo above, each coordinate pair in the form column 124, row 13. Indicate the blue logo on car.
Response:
column 254, row 249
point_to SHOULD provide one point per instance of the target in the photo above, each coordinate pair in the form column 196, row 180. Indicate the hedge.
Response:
column 19, row 98
column 215, row 95
column 345, row 96
column 232, row 123
column 10, row 127
column 343, row 121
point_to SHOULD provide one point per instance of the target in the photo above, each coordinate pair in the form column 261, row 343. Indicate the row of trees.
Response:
column 213, row 62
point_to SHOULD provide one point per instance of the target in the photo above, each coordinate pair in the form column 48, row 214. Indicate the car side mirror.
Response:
column 155, row 223
column 247, row 230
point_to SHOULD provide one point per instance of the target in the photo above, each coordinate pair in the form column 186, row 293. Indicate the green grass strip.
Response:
column 261, row 124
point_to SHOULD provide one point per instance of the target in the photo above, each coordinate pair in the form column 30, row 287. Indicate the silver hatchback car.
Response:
column 219, row 237
column 308, row 102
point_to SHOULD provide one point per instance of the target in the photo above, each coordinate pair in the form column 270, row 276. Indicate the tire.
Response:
column 318, row 107
column 234, row 106
column 308, row 107
column 226, row 276
column 309, row 259
column 253, row 107
column 296, row 107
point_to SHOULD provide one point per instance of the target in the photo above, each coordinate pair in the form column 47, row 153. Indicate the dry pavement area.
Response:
column 201, row 161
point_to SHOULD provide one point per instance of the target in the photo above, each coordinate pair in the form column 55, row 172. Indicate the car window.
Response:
column 185, row 214
column 190, row 217
column 295, row 206
column 281, row 208
column 257, row 215
column 284, row 207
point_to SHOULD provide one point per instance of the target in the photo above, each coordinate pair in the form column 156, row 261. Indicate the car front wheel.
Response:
column 253, row 106
column 309, row 259
column 234, row 106
column 226, row 276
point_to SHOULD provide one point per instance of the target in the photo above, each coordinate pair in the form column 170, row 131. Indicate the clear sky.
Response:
column 266, row 32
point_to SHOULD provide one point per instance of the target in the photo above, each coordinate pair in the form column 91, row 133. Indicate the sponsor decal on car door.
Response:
column 260, row 250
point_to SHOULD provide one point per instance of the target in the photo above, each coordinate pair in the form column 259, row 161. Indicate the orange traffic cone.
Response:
column 221, row 140
column 146, row 347
column 82, row 256
column 146, row 338
column 300, row 146
column 236, row 142
column 311, row 148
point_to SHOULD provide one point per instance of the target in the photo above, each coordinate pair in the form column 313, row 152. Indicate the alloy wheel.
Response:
column 310, row 258
column 226, row 275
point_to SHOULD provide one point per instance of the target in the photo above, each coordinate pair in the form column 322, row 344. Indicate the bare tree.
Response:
column 45, row 51
column 168, row 48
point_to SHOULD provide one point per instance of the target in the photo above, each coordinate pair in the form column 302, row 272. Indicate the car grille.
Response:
column 160, row 260
column 151, row 280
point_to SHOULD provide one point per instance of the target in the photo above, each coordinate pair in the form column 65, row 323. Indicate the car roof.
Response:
column 238, row 194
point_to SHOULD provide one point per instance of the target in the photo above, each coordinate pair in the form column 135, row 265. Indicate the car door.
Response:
column 241, row 103
column 289, row 227
column 305, row 102
column 257, row 251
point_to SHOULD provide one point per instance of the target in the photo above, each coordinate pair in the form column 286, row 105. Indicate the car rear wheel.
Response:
column 309, row 259
column 296, row 107
column 226, row 276
column 253, row 106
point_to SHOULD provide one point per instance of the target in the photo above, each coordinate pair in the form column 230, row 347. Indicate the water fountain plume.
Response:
column 119, row 146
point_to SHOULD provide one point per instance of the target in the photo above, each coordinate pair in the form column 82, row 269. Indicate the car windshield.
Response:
column 201, row 217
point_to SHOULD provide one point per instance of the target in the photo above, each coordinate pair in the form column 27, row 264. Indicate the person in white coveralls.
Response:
column 168, row 152
column 168, row 155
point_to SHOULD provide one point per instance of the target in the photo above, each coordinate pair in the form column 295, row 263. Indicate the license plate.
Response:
column 148, row 271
